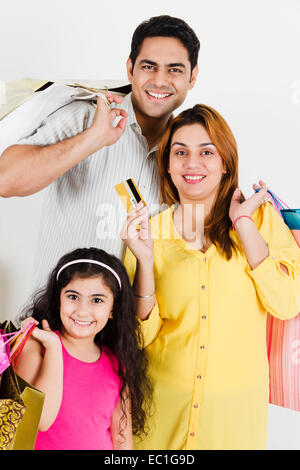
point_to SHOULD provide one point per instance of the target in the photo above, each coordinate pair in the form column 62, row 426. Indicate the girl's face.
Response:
column 195, row 166
column 85, row 306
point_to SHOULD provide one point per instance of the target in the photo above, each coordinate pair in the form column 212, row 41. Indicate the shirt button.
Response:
column 198, row 376
column 203, row 259
column 192, row 434
column 202, row 347
column 203, row 317
column 202, row 287
column 195, row 405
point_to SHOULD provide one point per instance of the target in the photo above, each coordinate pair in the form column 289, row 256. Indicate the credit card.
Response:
column 129, row 194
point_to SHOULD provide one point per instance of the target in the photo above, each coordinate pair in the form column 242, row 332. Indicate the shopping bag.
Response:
column 11, row 345
column 21, row 118
column 283, row 337
column 4, row 352
column 21, row 404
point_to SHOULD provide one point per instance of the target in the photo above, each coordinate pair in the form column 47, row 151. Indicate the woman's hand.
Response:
column 138, row 239
column 247, row 207
column 45, row 336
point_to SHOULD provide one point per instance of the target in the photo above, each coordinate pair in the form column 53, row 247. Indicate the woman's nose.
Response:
column 193, row 161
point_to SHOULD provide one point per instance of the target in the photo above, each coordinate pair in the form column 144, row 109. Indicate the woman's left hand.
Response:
column 247, row 207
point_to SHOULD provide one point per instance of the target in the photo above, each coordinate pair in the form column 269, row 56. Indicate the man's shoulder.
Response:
column 79, row 108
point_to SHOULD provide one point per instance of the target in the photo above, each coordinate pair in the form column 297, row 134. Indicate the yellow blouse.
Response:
column 206, row 336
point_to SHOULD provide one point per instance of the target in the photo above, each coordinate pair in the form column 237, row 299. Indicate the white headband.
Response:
column 93, row 262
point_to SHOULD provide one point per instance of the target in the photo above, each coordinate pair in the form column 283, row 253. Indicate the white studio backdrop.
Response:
column 249, row 70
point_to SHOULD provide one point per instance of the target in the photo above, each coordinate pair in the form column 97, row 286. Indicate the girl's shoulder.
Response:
column 30, row 360
column 32, row 346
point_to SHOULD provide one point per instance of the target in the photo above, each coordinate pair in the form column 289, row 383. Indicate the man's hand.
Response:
column 102, row 132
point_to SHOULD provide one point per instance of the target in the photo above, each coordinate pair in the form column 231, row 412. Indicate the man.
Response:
column 80, row 152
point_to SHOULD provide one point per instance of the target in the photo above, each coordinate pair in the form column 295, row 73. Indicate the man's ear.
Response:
column 194, row 76
column 129, row 69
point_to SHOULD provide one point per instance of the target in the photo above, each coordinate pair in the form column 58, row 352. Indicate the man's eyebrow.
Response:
column 150, row 62
column 205, row 144
column 177, row 64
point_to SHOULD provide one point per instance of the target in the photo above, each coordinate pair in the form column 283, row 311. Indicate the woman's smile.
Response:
column 193, row 179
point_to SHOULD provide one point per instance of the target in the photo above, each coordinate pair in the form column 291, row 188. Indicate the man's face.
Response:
column 161, row 76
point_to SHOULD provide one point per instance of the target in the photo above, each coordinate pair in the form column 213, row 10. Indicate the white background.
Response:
column 249, row 71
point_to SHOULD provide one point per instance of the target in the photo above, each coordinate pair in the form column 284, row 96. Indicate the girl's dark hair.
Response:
column 121, row 334
column 166, row 26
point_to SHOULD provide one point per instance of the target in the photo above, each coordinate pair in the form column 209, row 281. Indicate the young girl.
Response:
column 85, row 355
column 214, row 266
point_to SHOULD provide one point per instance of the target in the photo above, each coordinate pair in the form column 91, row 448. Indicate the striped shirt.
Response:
column 82, row 208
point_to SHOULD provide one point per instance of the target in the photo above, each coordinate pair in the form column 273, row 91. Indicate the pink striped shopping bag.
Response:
column 283, row 337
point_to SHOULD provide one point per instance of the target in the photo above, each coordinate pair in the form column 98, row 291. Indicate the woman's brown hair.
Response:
column 217, row 224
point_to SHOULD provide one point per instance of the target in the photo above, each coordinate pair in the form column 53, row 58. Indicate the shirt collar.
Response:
column 128, row 107
column 131, row 120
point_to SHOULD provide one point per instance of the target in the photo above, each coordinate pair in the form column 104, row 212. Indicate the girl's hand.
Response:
column 247, row 207
column 138, row 239
column 45, row 336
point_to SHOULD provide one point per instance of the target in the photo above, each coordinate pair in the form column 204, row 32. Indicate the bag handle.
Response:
column 19, row 337
column 18, row 347
column 278, row 201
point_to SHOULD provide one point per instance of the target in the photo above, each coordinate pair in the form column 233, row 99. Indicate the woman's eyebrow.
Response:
column 205, row 144
column 179, row 143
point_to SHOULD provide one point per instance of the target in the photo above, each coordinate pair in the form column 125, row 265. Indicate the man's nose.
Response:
column 161, row 78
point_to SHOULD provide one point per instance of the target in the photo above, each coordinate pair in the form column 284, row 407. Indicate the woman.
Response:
column 216, row 263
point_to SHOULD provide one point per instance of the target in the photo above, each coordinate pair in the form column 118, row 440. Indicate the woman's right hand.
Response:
column 138, row 239
column 45, row 336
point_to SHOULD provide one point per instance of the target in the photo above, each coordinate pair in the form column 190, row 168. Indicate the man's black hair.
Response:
column 166, row 26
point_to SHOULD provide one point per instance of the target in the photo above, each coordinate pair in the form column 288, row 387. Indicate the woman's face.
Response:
column 86, row 304
column 195, row 166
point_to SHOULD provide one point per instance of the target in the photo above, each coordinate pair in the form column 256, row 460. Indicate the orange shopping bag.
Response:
column 283, row 337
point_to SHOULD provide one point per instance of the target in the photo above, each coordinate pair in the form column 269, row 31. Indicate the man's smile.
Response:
column 158, row 97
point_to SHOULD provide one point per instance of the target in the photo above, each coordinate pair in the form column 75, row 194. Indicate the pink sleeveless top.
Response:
column 91, row 392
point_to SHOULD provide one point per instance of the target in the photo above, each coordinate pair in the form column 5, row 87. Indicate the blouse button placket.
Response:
column 201, row 356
